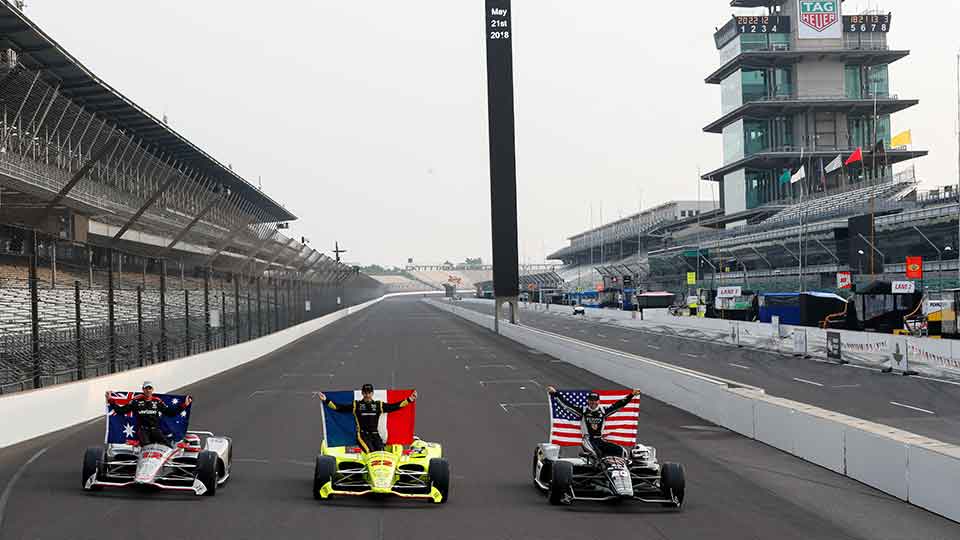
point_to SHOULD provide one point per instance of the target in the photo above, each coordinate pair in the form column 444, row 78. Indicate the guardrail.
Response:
column 916, row 469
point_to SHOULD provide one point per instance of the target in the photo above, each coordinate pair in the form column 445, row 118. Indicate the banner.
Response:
column 914, row 267
column 903, row 287
column 691, row 278
column 844, row 280
column 819, row 19
column 729, row 292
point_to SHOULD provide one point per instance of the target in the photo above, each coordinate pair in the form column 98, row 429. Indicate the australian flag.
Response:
column 122, row 428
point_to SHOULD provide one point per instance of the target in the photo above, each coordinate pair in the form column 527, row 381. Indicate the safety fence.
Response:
column 71, row 311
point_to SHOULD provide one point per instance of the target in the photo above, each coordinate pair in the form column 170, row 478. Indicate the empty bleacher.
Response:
column 839, row 202
column 401, row 284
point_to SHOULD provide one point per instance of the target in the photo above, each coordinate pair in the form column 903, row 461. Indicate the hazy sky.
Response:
column 368, row 118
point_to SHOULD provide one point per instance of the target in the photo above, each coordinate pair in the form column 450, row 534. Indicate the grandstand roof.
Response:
column 37, row 51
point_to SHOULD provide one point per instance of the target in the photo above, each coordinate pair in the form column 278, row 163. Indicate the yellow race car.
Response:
column 415, row 472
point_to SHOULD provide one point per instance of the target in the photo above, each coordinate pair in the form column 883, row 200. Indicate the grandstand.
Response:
column 401, row 284
column 121, row 242
column 789, row 105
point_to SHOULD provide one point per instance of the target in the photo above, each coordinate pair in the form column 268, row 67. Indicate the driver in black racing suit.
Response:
column 366, row 413
column 149, row 409
column 592, row 417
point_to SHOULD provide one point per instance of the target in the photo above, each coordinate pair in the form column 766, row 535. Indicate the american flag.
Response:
column 620, row 427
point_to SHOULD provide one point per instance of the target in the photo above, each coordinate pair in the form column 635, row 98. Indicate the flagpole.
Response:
column 800, row 239
column 958, row 159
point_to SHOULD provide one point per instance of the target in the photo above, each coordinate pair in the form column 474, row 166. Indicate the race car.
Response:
column 197, row 462
column 638, row 477
column 417, row 471
column 579, row 310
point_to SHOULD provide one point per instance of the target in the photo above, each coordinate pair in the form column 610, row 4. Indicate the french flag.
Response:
column 395, row 428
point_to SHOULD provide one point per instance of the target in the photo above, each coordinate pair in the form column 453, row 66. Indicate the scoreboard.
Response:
column 762, row 25
column 753, row 24
column 861, row 24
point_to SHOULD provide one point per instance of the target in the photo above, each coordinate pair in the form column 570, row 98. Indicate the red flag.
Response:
column 914, row 267
column 857, row 156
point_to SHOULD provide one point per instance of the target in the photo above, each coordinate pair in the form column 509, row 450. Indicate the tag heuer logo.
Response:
column 819, row 15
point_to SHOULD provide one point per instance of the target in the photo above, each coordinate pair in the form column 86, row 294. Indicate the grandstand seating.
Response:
column 401, row 284
column 439, row 278
column 838, row 202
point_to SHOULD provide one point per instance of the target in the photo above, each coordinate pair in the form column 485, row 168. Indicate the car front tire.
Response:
column 672, row 484
column 91, row 466
column 322, row 473
column 439, row 472
column 561, row 479
column 207, row 471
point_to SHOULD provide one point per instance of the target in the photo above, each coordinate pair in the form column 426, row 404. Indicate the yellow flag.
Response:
column 902, row 139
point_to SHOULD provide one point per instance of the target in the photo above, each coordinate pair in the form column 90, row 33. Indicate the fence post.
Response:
column 111, row 320
column 206, row 307
column 259, row 311
column 249, row 317
column 163, row 310
column 236, row 307
column 139, row 325
column 35, row 313
column 276, row 304
column 78, row 331
column 186, row 317
column 290, row 317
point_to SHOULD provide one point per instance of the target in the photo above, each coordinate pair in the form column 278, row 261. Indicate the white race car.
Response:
column 198, row 464
column 579, row 310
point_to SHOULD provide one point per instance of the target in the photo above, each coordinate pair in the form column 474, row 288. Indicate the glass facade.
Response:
column 861, row 131
column 767, row 134
column 765, row 42
column 733, row 142
column 765, row 84
column 863, row 82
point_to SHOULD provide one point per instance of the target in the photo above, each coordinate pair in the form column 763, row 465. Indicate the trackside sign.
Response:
column 904, row 287
column 819, row 19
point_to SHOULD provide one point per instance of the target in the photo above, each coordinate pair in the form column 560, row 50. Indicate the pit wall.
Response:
column 931, row 357
column 916, row 469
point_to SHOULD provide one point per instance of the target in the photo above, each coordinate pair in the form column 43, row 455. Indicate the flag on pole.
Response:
column 785, row 177
column 855, row 157
column 902, row 139
column 801, row 174
column 620, row 427
column 835, row 164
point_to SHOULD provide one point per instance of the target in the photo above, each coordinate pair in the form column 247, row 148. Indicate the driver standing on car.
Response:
column 366, row 412
column 592, row 417
column 149, row 409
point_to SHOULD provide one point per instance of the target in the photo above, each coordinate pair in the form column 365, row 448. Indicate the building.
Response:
column 801, row 84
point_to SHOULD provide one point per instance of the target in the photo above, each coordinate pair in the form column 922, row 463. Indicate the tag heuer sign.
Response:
column 819, row 19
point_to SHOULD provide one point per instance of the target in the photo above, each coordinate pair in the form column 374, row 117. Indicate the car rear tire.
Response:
column 91, row 466
column 322, row 473
column 439, row 472
column 561, row 478
column 207, row 471
column 672, row 484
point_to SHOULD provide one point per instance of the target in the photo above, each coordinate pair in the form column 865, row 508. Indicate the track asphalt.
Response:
column 481, row 396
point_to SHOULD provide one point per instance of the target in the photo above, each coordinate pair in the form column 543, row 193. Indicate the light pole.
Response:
column 939, row 256
column 947, row 249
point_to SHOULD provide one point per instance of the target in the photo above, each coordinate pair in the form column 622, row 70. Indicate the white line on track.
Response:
column 692, row 355
column 846, row 386
column 653, row 346
column 624, row 340
column 955, row 383
column 505, row 406
column 912, row 407
column 804, row 381
column 740, row 367
column 503, row 366
column 511, row 381
column 601, row 336
column 13, row 481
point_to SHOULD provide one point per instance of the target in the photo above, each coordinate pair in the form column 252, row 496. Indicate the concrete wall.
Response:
column 916, row 469
column 38, row 412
